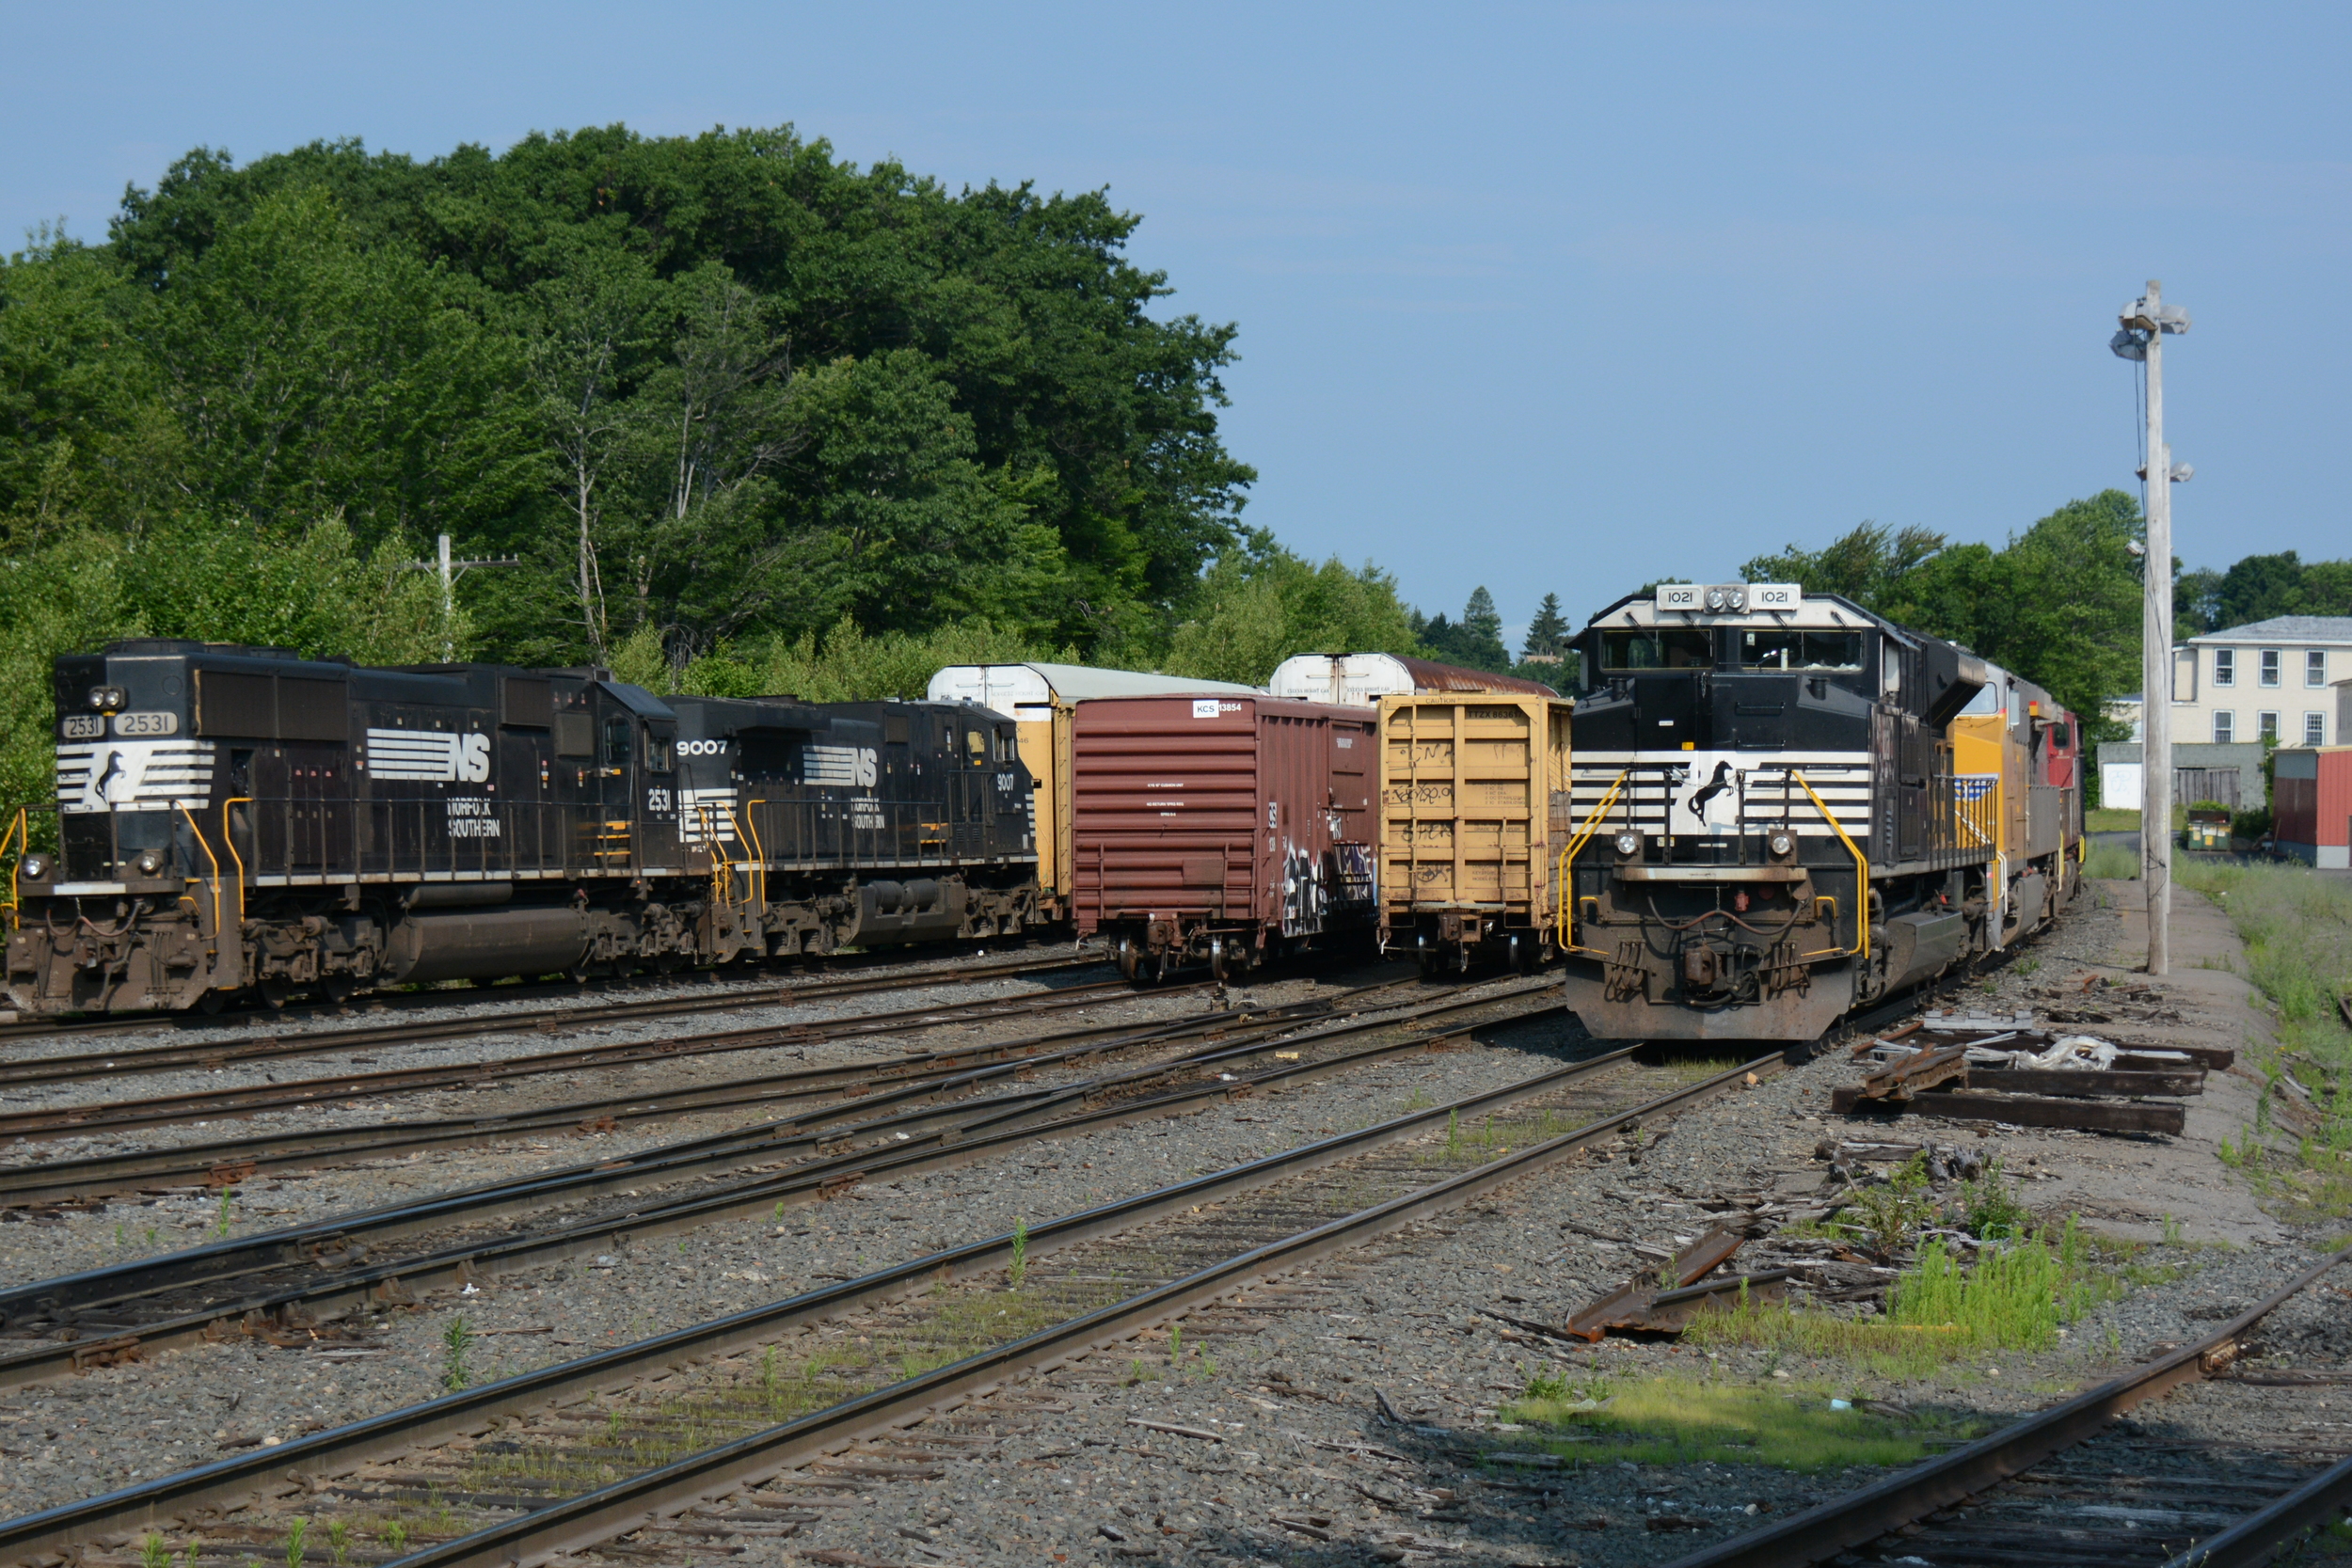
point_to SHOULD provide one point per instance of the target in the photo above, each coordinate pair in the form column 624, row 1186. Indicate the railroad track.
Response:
column 2062, row 1488
column 214, row 1052
column 710, row 1412
column 295, row 1279
column 223, row 1161
column 102, row 1116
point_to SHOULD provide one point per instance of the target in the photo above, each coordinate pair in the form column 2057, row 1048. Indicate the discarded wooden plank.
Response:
column 1176, row 1431
column 1900, row 1081
column 1626, row 1306
column 2088, row 1085
column 2090, row 1115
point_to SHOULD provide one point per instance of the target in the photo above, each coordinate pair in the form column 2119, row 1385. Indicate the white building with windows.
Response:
column 2288, row 679
column 2268, row 680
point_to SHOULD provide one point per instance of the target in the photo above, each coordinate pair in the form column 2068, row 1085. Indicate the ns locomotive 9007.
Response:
column 237, row 819
column 1772, row 824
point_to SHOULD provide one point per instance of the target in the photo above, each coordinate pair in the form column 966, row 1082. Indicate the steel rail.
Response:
column 232, row 1482
column 58, row 1299
column 770, row 1139
column 2256, row 1539
column 593, row 1517
column 81, row 1119
column 257, row 1047
column 972, row 1133
column 223, row 1161
column 1844, row 1523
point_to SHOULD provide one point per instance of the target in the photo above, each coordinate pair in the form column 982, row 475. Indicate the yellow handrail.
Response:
column 228, row 841
column 23, row 836
column 759, row 854
column 1862, row 874
column 1565, row 920
column 197, row 830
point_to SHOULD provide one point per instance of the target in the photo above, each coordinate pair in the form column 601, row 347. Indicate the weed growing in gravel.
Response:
column 1019, row 1253
column 1989, row 1207
column 1894, row 1212
column 296, row 1529
column 228, row 1197
column 454, row 1338
column 396, row 1537
column 338, row 1541
column 154, row 1552
column 1175, row 1344
column 1672, row 1420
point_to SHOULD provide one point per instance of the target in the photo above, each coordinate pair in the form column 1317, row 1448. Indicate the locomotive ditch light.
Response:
column 34, row 867
column 1629, row 846
column 1781, row 846
column 149, row 862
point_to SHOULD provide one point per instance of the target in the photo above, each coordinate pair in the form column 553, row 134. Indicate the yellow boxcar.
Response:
column 1474, row 812
column 1995, row 742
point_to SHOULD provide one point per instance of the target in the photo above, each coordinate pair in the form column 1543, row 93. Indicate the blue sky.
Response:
column 1558, row 297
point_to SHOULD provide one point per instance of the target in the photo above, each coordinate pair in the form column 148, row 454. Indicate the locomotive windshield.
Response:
column 1658, row 648
column 1777, row 649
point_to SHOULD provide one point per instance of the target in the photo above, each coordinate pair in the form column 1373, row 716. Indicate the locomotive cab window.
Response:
column 658, row 751
column 1814, row 651
column 1664, row 648
column 1006, row 748
column 975, row 747
column 616, row 742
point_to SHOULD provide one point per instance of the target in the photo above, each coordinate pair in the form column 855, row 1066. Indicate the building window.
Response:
column 2224, row 727
column 2315, row 666
column 2266, row 726
column 2225, row 667
column 2314, row 728
column 2270, row 667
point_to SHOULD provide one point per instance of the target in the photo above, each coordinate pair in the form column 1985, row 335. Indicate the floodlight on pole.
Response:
column 2140, row 337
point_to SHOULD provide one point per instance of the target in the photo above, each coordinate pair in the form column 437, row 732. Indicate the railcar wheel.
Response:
column 1218, row 966
column 211, row 1003
column 1128, row 958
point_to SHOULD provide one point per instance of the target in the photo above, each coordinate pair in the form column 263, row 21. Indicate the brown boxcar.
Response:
column 1220, row 828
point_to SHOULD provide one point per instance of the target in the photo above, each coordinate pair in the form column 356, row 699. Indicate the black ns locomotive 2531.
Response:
column 239, row 819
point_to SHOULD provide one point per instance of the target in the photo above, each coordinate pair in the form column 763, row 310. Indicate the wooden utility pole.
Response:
column 2145, row 322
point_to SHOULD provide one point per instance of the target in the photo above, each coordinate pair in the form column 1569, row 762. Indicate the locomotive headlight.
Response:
column 98, row 695
column 1781, row 844
column 151, row 862
column 34, row 867
column 1628, row 845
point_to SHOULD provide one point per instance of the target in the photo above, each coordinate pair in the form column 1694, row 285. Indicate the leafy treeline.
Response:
column 2257, row 588
column 2060, row 603
column 714, row 387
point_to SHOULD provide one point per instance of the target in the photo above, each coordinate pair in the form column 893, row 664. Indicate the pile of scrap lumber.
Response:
column 1973, row 1067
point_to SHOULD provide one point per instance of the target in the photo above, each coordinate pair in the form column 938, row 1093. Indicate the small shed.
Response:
column 2312, row 804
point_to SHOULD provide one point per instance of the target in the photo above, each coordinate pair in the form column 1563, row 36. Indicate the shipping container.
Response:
column 1041, row 697
column 2312, row 802
column 1225, row 827
column 1473, row 813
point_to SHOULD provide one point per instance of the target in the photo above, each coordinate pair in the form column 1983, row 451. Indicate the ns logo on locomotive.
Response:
column 1785, row 806
column 242, row 820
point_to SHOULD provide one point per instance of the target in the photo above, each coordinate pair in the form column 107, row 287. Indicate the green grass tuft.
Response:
column 1670, row 1421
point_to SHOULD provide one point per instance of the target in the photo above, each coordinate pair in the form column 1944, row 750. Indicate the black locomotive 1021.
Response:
column 238, row 820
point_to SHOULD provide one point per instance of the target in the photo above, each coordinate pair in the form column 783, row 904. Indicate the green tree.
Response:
column 2257, row 588
column 1259, row 604
column 1549, row 632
